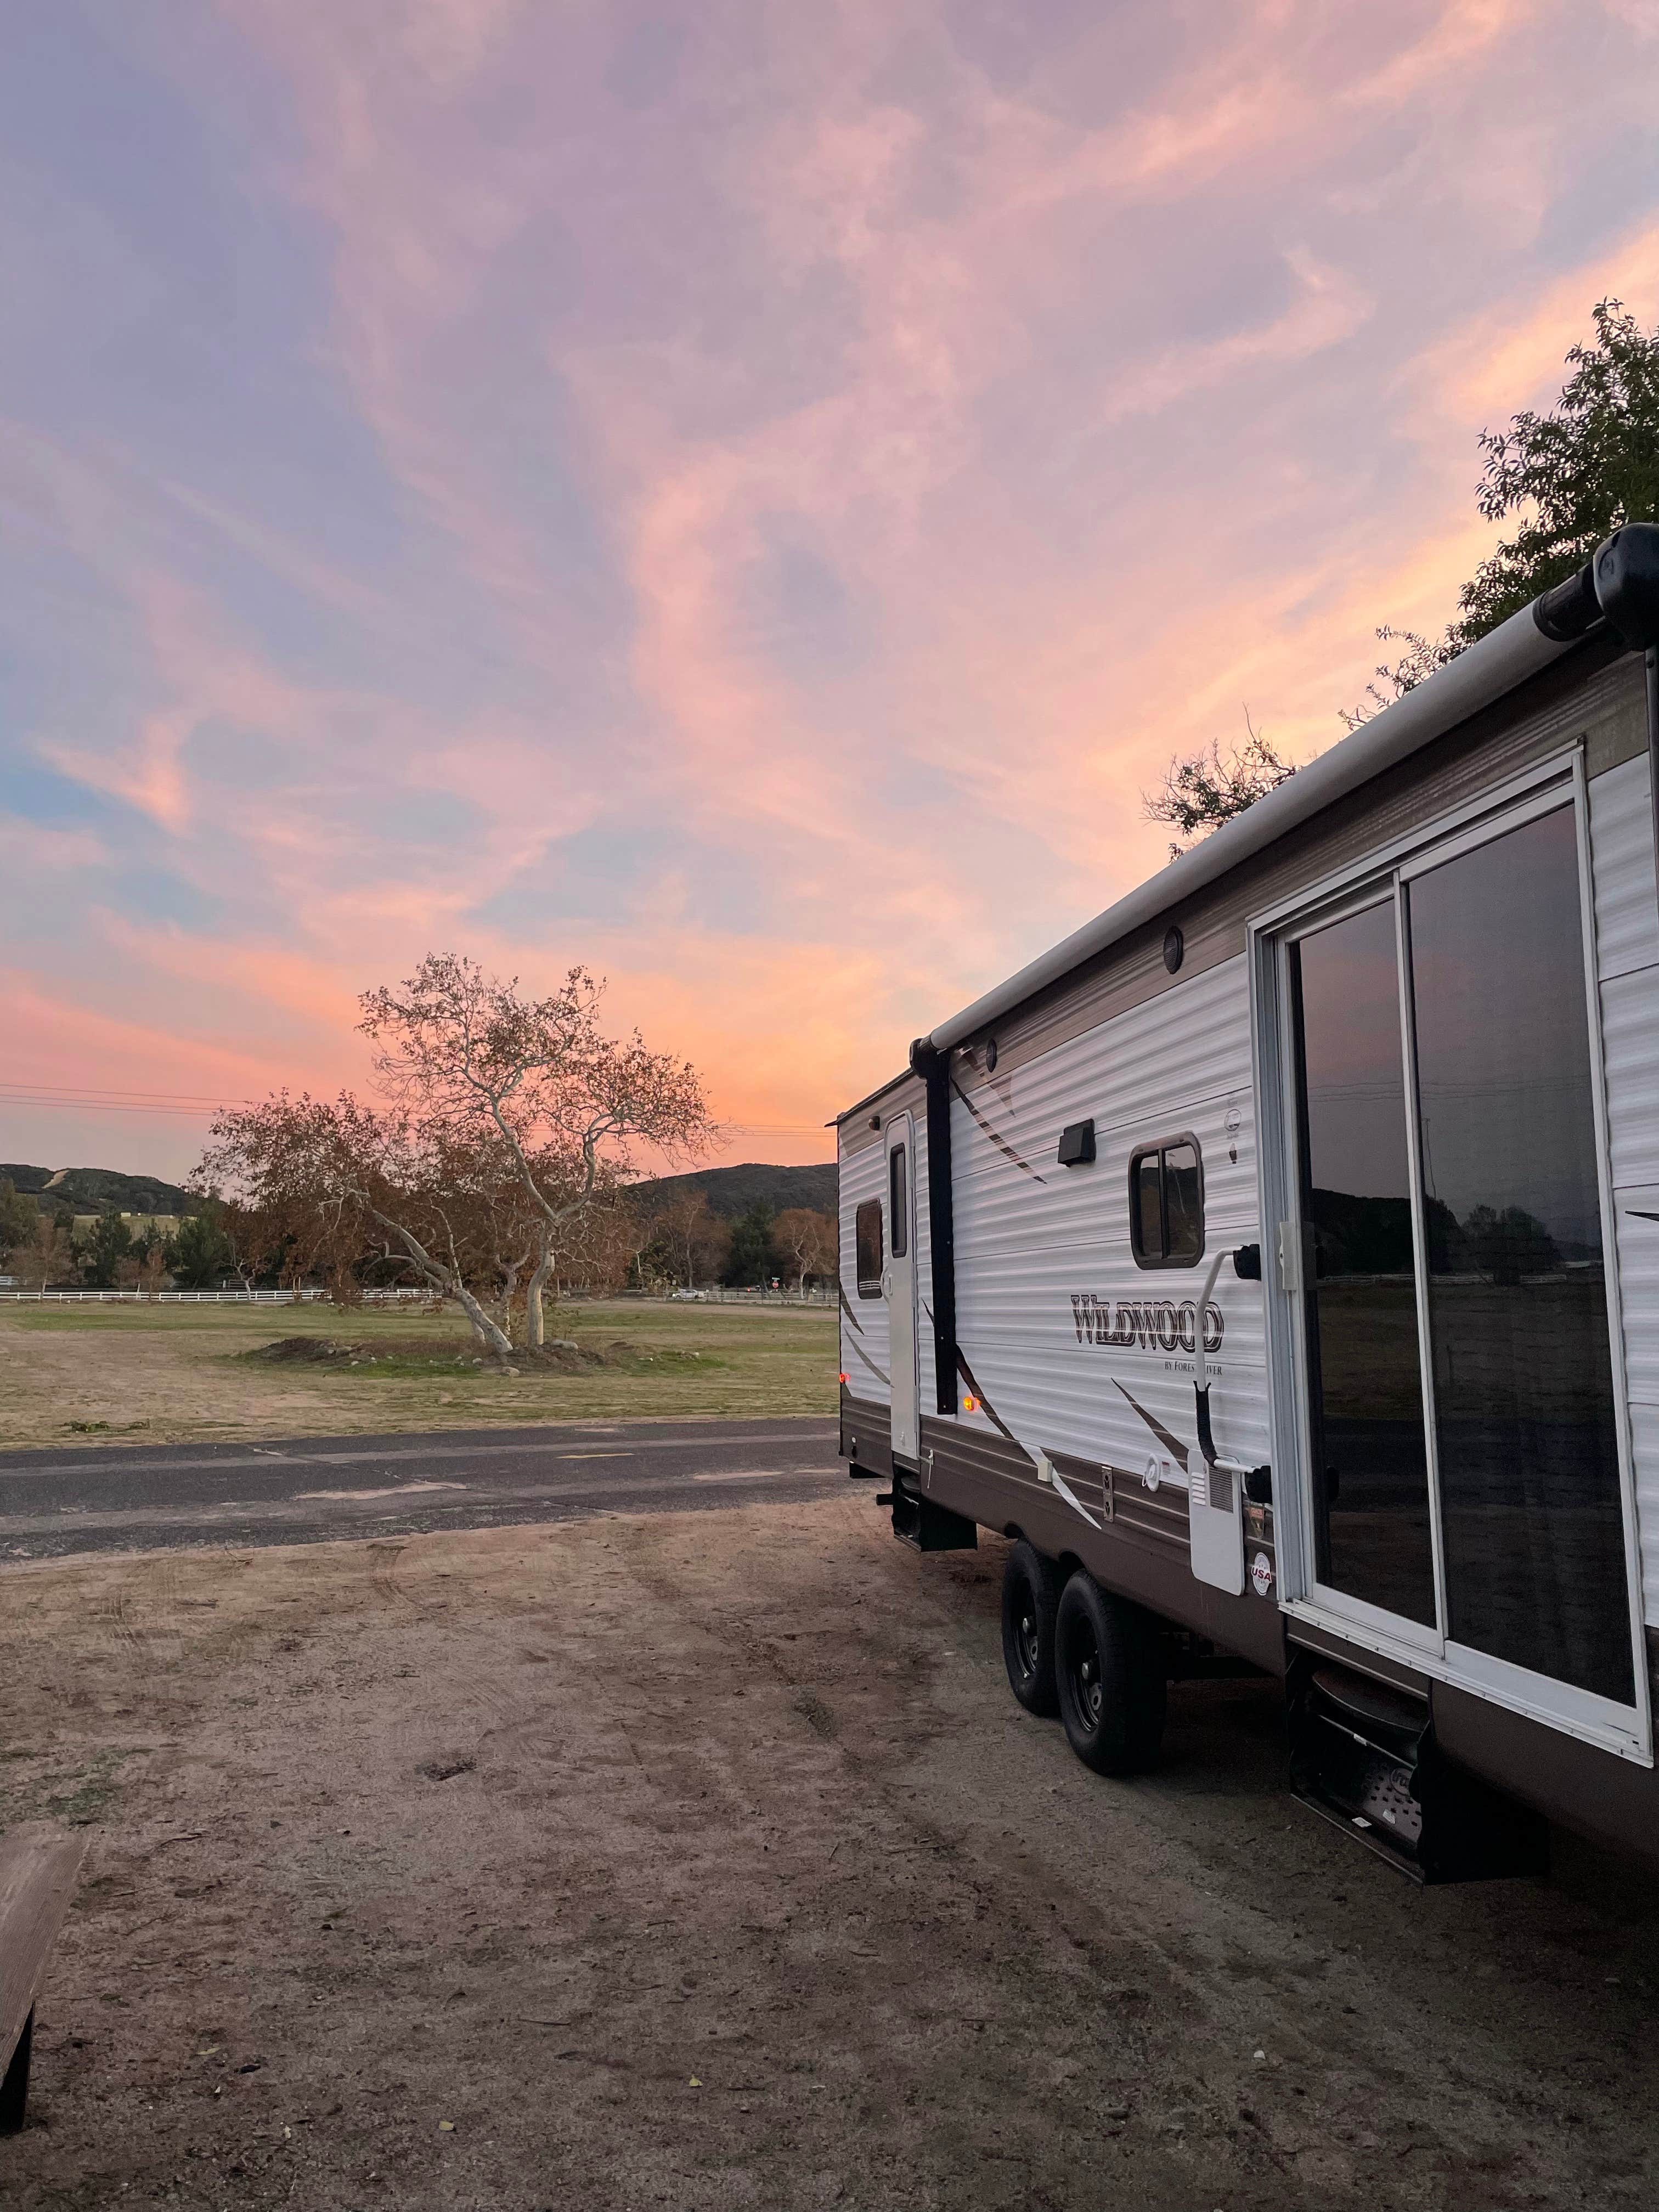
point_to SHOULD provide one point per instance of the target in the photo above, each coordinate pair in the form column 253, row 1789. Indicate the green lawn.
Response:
column 152, row 1374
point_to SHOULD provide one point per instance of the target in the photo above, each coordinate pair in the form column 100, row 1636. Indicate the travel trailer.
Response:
column 1276, row 1261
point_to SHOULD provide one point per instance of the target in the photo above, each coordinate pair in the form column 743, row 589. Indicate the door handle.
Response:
column 887, row 1282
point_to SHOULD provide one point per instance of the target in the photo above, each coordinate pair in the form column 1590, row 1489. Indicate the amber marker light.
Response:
column 971, row 1405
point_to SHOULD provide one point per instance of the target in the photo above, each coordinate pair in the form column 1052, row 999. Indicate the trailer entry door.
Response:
column 1441, row 1270
column 900, row 1285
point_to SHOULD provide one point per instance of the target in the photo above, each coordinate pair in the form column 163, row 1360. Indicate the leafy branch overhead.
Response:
column 1572, row 476
column 1202, row 793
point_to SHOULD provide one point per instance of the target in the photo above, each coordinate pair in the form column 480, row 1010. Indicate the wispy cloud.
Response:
column 747, row 499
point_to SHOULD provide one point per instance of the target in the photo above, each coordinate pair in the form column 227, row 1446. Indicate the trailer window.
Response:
column 866, row 1239
column 898, row 1202
column 1166, row 1204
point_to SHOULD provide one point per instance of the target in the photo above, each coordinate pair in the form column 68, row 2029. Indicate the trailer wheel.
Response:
column 1031, row 1600
column 1109, row 1672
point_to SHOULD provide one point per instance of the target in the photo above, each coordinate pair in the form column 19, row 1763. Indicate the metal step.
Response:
column 923, row 1522
column 1364, row 1757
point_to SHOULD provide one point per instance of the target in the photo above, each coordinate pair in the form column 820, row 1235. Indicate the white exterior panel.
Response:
column 1627, row 968
column 1032, row 1239
column 866, row 1359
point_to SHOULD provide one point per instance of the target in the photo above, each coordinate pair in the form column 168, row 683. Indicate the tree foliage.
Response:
column 1391, row 680
column 496, row 1165
column 104, row 1250
column 198, row 1253
column 1567, row 478
column 1200, row 793
column 752, row 1260
column 1573, row 475
column 16, row 1222
column 49, row 1255
column 535, row 1082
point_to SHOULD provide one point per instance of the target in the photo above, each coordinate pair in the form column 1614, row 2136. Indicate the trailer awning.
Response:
column 1479, row 676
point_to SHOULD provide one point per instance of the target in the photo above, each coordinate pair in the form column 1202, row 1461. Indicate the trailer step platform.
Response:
column 922, row 1521
column 1364, row 1757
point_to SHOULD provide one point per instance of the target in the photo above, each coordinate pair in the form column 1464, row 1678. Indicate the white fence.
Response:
column 160, row 1297
column 717, row 1296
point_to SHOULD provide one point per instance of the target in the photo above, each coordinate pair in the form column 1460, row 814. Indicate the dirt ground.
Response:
column 707, row 1861
column 151, row 1374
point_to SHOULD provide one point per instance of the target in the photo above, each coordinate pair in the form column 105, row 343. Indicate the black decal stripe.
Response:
column 858, row 1350
column 1171, row 1444
column 1000, row 1142
column 984, row 1404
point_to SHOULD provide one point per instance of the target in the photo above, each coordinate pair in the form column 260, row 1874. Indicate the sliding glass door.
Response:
column 1525, row 1422
column 1460, row 1414
column 1369, row 1457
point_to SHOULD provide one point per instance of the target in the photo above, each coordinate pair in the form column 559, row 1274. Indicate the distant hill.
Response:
column 732, row 1191
column 100, row 1191
column 729, row 1191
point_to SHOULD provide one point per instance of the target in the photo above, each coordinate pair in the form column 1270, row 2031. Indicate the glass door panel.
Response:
column 1373, row 1537
column 1527, row 1445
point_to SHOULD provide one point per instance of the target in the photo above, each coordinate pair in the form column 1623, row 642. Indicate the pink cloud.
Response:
column 830, row 481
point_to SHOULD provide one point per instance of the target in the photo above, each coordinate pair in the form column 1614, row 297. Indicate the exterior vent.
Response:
column 1077, row 1144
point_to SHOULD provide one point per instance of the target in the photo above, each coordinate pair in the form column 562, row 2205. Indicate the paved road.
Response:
column 316, row 1488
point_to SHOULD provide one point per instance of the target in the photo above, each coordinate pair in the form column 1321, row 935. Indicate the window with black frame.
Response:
column 1166, row 1204
column 868, row 1248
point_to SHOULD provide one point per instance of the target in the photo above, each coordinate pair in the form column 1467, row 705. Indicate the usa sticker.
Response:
column 1262, row 1575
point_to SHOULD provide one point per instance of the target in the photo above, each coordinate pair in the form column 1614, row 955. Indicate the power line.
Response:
column 197, row 1105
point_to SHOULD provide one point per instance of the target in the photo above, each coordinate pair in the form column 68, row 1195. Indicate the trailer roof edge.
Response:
column 1480, row 676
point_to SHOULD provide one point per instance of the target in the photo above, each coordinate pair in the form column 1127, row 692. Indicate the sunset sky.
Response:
column 746, row 497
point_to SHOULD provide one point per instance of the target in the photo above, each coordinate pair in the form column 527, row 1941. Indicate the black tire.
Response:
column 1031, row 1600
column 1109, row 1672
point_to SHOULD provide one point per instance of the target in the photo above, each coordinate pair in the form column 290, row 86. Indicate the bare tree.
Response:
column 810, row 1239
column 690, row 1237
column 464, row 1053
column 50, row 1251
column 338, row 1176
column 254, row 1239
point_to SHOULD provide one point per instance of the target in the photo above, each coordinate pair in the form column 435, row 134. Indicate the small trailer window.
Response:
column 866, row 1238
column 1166, row 1204
column 898, row 1207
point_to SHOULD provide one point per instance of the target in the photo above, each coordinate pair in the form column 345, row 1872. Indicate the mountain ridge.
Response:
column 98, row 1190
column 729, row 1192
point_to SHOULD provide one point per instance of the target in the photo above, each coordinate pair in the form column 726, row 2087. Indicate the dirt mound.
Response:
column 310, row 1351
column 559, row 1356
column 562, row 1355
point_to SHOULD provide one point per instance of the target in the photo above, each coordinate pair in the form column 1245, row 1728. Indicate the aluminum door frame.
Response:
column 899, row 1288
column 1625, row 1730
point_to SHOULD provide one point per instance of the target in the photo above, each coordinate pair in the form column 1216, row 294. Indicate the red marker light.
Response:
column 841, row 1378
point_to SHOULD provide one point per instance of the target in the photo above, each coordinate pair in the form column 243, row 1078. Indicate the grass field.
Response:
column 140, row 1374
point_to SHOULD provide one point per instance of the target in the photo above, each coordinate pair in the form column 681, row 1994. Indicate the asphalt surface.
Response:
column 319, row 1489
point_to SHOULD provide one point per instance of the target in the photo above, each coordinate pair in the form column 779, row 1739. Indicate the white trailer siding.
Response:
column 1031, row 1239
column 865, row 1340
column 1628, row 968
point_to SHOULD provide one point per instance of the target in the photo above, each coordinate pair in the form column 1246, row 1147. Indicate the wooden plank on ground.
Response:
column 38, row 1870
